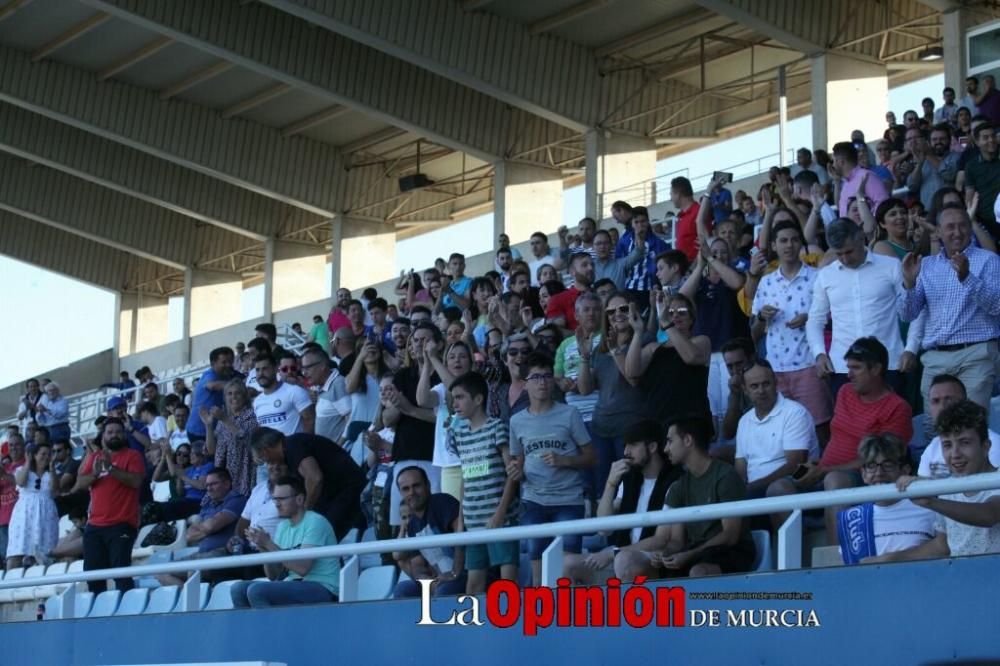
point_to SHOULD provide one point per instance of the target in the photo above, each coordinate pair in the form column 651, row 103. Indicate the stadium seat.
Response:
column 181, row 553
column 350, row 537
column 203, row 591
column 105, row 604
column 46, row 591
column 139, row 552
column 65, row 526
column 158, row 557
column 82, row 602
column 764, row 560
column 23, row 593
column 371, row 559
column 826, row 556
column 162, row 600
column 76, row 566
column 376, row 583
column 220, row 599
column 133, row 602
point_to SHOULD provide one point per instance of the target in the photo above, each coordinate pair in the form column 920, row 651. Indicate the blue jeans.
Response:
column 538, row 514
column 411, row 588
column 264, row 594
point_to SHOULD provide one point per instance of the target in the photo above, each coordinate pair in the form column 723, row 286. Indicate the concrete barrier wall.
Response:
column 82, row 375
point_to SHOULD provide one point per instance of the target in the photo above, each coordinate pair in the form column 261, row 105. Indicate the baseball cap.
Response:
column 115, row 402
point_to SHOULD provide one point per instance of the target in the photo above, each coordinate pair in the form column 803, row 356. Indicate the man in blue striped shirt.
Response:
column 641, row 278
column 960, row 289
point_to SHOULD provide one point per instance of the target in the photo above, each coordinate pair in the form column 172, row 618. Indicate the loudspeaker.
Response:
column 417, row 180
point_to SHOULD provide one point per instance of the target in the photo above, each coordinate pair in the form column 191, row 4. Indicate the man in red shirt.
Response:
column 866, row 405
column 561, row 310
column 113, row 473
column 685, row 226
column 338, row 313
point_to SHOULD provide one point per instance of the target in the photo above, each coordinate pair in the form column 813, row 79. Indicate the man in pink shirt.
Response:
column 845, row 161
column 338, row 313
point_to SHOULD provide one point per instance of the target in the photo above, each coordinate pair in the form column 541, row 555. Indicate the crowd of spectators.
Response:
column 780, row 342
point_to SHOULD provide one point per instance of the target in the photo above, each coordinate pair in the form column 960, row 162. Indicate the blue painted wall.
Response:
column 893, row 614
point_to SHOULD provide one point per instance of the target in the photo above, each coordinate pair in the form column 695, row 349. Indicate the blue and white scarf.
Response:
column 856, row 529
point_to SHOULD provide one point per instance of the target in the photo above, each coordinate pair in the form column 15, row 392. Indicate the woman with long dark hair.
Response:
column 34, row 524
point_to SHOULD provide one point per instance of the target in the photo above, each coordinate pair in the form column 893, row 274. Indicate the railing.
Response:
column 789, row 537
column 657, row 190
column 86, row 406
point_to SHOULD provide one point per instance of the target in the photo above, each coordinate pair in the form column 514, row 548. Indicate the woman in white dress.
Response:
column 34, row 525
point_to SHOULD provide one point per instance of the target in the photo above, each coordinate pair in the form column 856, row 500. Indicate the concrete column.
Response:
column 847, row 94
column 215, row 301
column 186, row 316
column 269, row 279
column 528, row 198
column 298, row 276
column 364, row 253
column 116, row 340
column 954, row 24
column 336, row 238
column 142, row 323
column 618, row 168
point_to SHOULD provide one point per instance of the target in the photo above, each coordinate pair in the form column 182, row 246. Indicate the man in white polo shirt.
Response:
column 774, row 437
column 945, row 391
column 282, row 406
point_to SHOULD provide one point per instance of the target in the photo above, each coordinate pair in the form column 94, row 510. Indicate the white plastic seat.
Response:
column 82, row 602
column 65, row 526
column 162, row 600
column 76, row 566
column 156, row 558
column 180, row 541
column 23, row 593
column 133, row 602
column 369, row 560
column 221, row 598
column 350, row 537
column 105, row 604
column 181, row 553
column 762, row 544
column 376, row 583
column 46, row 591
column 203, row 591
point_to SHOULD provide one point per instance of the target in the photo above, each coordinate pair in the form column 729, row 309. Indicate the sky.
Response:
column 25, row 288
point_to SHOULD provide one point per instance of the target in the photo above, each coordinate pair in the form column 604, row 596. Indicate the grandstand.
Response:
column 769, row 391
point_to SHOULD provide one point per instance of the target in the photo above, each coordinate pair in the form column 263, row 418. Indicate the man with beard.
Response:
column 562, row 307
column 281, row 405
column 935, row 167
column 113, row 473
column 208, row 392
column 338, row 313
column 638, row 482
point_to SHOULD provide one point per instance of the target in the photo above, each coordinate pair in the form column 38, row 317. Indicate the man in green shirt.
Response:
column 302, row 581
column 319, row 333
column 703, row 548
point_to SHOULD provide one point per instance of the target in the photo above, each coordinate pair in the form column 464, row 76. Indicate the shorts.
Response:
column 538, row 514
column 486, row 555
column 806, row 388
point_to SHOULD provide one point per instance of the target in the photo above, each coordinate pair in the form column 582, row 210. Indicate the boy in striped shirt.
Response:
column 489, row 495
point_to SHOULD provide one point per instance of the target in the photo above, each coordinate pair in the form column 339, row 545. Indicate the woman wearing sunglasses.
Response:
column 673, row 374
column 620, row 401
column 34, row 524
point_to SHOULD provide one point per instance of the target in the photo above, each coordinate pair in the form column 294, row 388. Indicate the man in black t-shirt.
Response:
column 333, row 480
column 429, row 514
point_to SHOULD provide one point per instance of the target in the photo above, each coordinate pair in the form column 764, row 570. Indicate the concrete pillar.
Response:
column 618, row 168
column 116, row 337
column 847, row 94
column 216, row 299
column 269, row 280
column 298, row 276
column 186, row 316
column 363, row 253
column 528, row 198
column 954, row 23
column 142, row 323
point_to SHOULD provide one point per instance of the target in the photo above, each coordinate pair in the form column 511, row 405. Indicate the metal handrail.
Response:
column 740, row 509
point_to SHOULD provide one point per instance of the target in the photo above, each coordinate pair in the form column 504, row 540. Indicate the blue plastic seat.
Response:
column 376, row 583
column 105, row 604
column 162, row 600
column 133, row 602
column 762, row 544
column 221, row 598
column 203, row 591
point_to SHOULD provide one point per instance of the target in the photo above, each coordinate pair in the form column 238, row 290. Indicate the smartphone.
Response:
column 800, row 472
column 373, row 337
column 722, row 176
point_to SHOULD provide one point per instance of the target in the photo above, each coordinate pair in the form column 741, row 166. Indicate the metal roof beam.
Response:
column 280, row 46
column 55, row 250
column 300, row 172
column 134, row 58
column 252, row 102
column 553, row 21
column 8, row 9
column 675, row 24
column 77, row 31
column 318, row 118
column 194, row 79
column 736, row 11
column 557, row 79
column 129, row 171
column 107, row 217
